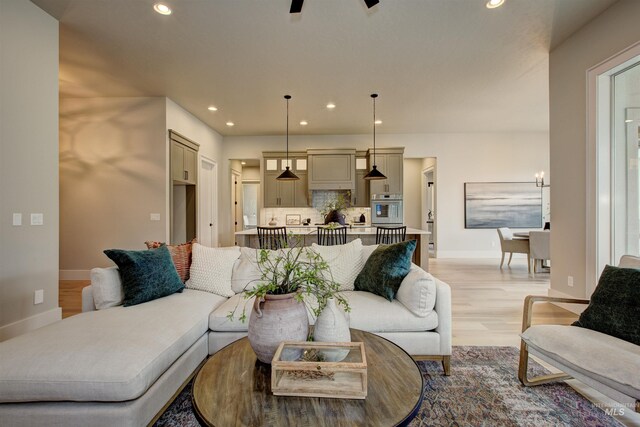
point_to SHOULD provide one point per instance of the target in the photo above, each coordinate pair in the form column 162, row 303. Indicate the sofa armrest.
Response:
column 87, row 299
column 531, row 299
column 443, row 308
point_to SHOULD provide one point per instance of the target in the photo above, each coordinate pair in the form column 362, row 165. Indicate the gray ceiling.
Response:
column 438, row 65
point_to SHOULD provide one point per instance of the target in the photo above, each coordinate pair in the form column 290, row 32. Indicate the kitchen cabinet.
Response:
column 360, row 197
column 390, row 163
column 183, row 194
column 332, row 169
column 184, row 163
column 284, row 194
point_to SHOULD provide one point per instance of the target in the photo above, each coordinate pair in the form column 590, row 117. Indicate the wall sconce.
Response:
column 540, row 180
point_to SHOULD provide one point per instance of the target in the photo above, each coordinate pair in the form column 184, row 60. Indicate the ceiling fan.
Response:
column 296, row 5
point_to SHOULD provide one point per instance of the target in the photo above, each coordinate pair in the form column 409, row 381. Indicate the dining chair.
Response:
column 389, row 235
column 511, row 245
column 539, row 247
column 332, row 236
column 272, row 237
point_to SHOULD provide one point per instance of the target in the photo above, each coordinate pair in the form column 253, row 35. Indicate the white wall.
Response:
column 186, row 124
column 613, row 30
column 412, row 189
column 461, row 158
column 112, row 177
column 28, row 166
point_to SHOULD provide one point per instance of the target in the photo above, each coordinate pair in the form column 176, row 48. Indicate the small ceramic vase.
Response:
column 332, row 326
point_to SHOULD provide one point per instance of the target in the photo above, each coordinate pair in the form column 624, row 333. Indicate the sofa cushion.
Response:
column 609, row 360
column 614, row 308
column 418, row 291
column 146, row 275
column 108, row 355
column 219, row 318
column 212, row 268
column 374, row 313
column 181, row 255
column 383, row 272
column 344, row 261
column 246, row 273
column 106, row 287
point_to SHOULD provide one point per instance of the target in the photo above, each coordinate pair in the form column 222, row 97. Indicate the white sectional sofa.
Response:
column 123, row 365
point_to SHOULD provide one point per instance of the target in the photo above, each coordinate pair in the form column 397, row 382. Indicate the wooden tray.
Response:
column 293, row 374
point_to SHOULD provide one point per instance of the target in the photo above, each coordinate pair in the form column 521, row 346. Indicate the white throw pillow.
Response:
column 418, row 292
column 106, row 287
column 246, row 274
column 211, row 269
column 367, row 250
column 345, row 262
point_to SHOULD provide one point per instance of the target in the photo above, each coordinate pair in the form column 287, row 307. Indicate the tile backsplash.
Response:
column 280, row 214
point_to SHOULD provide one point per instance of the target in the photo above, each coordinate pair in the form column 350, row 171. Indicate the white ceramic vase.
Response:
column 332, row 326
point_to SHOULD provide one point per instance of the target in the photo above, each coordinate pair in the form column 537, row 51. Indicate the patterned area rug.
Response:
column 483, row 390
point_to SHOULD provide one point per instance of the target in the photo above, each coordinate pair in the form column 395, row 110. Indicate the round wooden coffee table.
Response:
column 234, row 389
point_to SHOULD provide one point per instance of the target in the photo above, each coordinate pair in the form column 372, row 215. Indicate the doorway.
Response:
column 613, row 186
column 429, row 203
column 208, row 224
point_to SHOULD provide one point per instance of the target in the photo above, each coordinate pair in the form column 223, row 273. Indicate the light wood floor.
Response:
column 486, row 305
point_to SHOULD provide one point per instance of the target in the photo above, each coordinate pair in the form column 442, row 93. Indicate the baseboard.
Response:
column 30, row 323
column 477, row 254
column 574, row 308
column 75, row 274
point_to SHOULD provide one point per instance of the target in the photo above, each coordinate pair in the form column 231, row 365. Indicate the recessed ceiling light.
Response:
column 162, row 9
column 303, row 123
column 243, row 163
column 212, row 108
column 230, row 124
column 331, row 106
column 378, row 122
column 492, row 4
column 628, row 120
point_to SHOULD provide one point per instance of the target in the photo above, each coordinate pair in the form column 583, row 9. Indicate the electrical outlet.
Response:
column 570, row 281
column 38, row 296
column 37, row 219
column 493, row 244
column 154, row 217
column 17, row 219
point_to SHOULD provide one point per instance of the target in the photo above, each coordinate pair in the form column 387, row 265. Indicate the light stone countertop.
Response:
column 302, row 230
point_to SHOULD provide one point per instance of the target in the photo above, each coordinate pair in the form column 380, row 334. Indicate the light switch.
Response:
column 17, row 219
column 37, row 219
column 38, row 296
column 154, row 217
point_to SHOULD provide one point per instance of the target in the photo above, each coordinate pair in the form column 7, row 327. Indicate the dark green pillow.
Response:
column 146, row 275
column 614, row 308
column 386, row 267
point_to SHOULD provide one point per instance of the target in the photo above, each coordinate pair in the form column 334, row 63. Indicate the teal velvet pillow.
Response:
column 614, row 308
column 146, row 275
column 383, row 272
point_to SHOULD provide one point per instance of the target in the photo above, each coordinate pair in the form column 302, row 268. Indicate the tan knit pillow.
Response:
column 181, row 255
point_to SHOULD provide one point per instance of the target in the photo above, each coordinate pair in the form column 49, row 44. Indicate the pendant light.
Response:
column 287, row 175
column 374, row 173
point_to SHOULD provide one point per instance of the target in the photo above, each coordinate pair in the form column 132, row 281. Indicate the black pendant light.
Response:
column 374, row 173
column 287, row 175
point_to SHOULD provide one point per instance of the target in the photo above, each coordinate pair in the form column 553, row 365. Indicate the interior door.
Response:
column 208, row 228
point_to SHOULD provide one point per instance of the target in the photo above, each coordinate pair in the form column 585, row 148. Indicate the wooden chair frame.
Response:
column 272, row 237
column 332, row 236
column 389, row 235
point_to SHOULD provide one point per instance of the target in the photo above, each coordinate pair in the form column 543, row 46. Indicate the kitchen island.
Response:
column 249, row 238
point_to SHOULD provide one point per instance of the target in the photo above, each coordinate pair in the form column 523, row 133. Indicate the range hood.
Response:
column 332, row 169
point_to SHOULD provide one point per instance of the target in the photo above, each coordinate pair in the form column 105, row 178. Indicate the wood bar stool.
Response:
column 389, row 235
column 272, row 237
column 332, row 236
